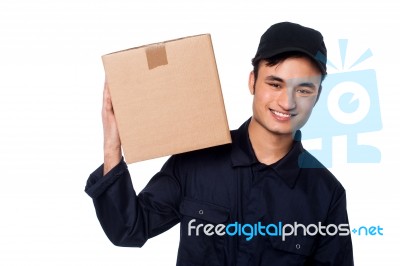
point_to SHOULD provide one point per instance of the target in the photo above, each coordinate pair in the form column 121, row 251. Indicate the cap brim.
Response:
column 275, row 52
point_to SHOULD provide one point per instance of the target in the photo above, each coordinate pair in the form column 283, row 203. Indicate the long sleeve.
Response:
column 335, row 250
column 129, row 219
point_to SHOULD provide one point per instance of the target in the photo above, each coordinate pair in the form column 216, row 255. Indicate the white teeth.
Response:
column 281, row 114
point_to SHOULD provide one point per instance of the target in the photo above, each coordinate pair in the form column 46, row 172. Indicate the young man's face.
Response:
column 284, row 94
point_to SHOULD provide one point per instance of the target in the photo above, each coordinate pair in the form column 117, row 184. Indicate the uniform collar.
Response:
column 243, row 155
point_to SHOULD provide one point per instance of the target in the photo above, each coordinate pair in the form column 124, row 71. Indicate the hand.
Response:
column 112, row 142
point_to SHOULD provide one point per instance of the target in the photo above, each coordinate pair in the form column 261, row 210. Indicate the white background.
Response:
column 50, row 125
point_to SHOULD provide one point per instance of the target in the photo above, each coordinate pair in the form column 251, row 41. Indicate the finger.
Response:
column 107, row 104
column 104, row 94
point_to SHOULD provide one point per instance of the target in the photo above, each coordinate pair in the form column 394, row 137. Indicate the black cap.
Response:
column 289, row 37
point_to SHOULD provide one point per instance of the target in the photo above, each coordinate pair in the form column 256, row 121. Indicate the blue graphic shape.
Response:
column 343, row 50
column 367, row 54
column 323, row 125
column 349, row 103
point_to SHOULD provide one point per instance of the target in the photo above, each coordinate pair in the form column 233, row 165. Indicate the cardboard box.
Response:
column 167, row 98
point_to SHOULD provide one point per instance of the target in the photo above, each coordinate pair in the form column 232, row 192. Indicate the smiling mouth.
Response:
column 283, row 115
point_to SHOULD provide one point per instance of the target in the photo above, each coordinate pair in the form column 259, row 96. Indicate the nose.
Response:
column 287, row 100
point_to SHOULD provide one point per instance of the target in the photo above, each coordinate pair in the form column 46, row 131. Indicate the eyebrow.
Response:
column 307, row 84
column 303, row 84
column 274, row 78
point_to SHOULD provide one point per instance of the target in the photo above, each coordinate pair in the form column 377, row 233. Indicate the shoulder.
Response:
column 314, row 172
column 211, row 155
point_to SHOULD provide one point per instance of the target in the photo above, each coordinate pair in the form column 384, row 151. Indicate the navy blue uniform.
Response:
column 227, row 185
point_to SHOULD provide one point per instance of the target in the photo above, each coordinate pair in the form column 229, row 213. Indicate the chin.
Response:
column 283, row 132
column 280, row 130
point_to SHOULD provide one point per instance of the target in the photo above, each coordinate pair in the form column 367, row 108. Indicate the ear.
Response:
column 252, row 82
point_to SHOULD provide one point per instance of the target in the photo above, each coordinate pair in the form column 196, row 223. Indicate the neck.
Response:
column 269, row 147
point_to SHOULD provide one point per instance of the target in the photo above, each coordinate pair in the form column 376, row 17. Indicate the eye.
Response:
column 304, row 91
column 275, row 85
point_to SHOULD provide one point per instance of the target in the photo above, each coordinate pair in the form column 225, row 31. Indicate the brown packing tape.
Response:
column 156, row 56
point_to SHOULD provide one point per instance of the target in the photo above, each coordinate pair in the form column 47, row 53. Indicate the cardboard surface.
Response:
column 167, row 98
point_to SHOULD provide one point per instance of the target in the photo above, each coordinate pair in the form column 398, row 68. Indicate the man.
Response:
column 240, row 203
